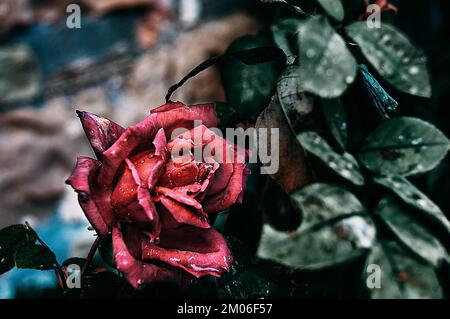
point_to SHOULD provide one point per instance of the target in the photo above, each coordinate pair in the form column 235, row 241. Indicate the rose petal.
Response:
column 179, row 174
column 178, row 196
column 223, row 200
column 100, row 131
column 85, row 170
column 198, row 251
column 174, row 115
column 183, row 214
column 139, row 273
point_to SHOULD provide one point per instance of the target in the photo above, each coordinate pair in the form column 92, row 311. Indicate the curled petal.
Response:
column 223, row 200
column 178, row 196
column 183, row 214
column 100, row 131
column 139, row 273
column 85, row 171
column 174, row 115
column 179, row 174
column 198, row 251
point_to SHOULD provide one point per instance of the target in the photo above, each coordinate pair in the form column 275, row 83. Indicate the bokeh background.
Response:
column 119, row 64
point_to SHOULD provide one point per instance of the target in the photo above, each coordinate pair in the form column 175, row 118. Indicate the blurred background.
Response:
column 119, row 64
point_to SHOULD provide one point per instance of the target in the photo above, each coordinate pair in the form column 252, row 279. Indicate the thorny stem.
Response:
column 58, row 271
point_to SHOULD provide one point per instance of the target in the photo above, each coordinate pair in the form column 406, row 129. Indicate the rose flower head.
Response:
column 151, row 193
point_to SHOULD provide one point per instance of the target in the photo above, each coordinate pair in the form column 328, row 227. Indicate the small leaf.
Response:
column 249, row 87
column 313, row 249
column 344, row 165
column 325, row 203
column 336, row 119
column 333, row 8
column 393, row 56
column 403, row 146
column 407, row 192
column 402, row 275
column 35, row 257
column 410, row 231
column 284, row 35
column 327, row 67
column 11, row 238
column 297, row 105
column 287, row 4
column 289, row 176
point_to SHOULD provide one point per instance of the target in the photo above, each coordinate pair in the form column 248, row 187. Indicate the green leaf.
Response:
column 297, row 105
column 344, row 165
column 227, row 114
column 35, row 257
column 322, row 203
column 284, row 35
column 318, row 248
column 336, row 119
column 287, row 4
column 407, row 192
column 403, row 146
column 410, row 231
column 327, row 67
column 249, row 87
column 11, row 238
column 394, row 57
column 402, row 275
column 333, row 8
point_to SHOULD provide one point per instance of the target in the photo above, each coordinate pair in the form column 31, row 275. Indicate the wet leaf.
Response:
column 411, row 195
column 336, row 119
column 296, row 104
column 322, row 203
column 393, row 56
column 284, row 34
column 289, row 176
column 333, row 8
column 317, row 248
column 403, row 146
column 344, row 165
column 287, row 4
column 35, row 257
column 327, row 67
column 12, row 238
column 410, row 231
column 402, row 275
column 249, row 87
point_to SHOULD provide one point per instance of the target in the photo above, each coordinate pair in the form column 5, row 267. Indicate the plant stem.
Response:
column 58, row 270
column 90, row 255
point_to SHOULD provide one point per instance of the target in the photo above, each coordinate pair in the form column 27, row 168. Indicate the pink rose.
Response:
column 158, row 206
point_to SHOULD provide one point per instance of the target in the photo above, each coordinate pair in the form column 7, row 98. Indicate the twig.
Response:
column 90, row 256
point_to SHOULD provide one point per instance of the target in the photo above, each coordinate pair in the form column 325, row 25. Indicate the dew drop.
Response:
column 414, row 70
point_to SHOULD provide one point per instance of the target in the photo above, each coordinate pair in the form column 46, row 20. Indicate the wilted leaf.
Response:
column 326, row 65
column 336, row 119
column 393, row 56
column 406, row 191
column 316, row 248
column 289, row 176
column 288, row 4
column 402, row 275
column 344, row 165
column 35, row 257
column 11, row 238
column 325, row 203
column 403, row 146
column 333, row 8
column 410, row 231
column 295, row 102
column 249, row 87
column 284, row 34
